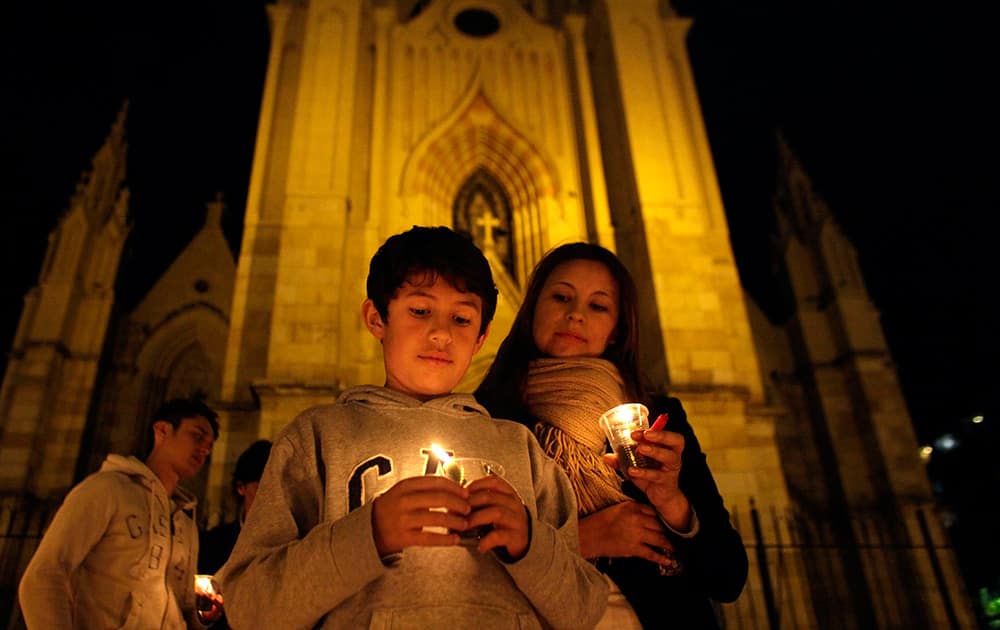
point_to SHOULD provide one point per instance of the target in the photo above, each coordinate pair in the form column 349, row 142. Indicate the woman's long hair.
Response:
column 502, row 389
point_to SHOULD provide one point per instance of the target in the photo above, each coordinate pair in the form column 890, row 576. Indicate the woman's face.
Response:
column 577, row 310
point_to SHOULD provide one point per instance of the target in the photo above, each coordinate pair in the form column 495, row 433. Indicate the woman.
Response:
column 663, row 535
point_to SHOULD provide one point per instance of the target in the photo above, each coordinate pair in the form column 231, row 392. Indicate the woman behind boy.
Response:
column 663, row 535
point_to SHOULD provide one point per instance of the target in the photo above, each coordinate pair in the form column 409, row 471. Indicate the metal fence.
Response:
column 804, row 572
column 873, row 570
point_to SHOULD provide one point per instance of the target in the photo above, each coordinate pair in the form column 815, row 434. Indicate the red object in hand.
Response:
column 661, row 421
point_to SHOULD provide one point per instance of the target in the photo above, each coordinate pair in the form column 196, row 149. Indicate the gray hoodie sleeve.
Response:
column 565, row 589
column 46, row 590
column 291, row 566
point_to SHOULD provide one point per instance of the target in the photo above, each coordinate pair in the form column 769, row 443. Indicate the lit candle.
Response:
column 203, row 584
column 619, row 423
column 443, row 457
column 440, row 453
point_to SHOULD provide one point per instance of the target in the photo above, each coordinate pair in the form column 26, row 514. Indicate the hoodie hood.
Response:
column 136, row 469
column 383, row 397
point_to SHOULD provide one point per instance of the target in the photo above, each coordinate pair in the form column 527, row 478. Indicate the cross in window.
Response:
column 488, row 221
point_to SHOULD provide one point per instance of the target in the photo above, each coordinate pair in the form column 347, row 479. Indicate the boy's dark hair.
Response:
column 175, row 410
column 435, row 252
column 251, row 462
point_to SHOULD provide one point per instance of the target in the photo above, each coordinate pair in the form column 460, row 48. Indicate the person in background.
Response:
column 353, row 526
column 121, row 550
column 218, row 542
column 662, row 535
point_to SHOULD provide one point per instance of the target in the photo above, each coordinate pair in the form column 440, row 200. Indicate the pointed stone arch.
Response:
column 196, row 330
column 477, row 138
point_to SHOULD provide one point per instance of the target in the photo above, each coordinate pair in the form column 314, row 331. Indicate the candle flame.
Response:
column 203, row 584
column 441, row 454
column 625, row 413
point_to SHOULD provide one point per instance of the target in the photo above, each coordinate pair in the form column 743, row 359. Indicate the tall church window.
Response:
column 483, row 211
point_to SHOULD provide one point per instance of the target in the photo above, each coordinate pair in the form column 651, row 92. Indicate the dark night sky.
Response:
column 887, row 104
column 889, row 109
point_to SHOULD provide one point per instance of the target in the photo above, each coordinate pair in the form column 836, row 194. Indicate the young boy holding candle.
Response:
column 348, row 528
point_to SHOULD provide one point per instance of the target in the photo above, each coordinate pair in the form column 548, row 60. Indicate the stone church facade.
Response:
column 527, row 124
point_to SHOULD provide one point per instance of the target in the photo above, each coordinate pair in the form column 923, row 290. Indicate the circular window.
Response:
column 201, row 286
column 477, row 22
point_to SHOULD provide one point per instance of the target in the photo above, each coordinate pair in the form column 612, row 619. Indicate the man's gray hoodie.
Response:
column 119, row 553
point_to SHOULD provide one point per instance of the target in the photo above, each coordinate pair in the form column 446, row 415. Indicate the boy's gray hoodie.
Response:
column 306, row 556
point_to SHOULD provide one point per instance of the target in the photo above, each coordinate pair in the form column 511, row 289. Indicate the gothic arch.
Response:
column 195, row 333
column 478, row 138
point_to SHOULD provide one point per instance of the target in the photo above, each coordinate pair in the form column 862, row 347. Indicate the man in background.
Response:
column 121, row 549
column 218, row 542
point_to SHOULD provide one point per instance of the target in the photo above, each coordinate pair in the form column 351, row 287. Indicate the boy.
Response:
column 121, row 549
column 348, row 528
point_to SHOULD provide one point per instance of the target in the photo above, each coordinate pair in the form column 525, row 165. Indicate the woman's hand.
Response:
column 627, row 529
column 660, row 484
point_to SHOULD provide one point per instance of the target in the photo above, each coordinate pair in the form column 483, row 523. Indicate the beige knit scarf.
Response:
column 567, row 396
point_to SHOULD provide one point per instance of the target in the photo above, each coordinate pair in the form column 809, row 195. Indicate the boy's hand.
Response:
column 494, row 502
column 400, row 515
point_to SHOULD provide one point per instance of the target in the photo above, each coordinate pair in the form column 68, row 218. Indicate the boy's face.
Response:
column 430, row 337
